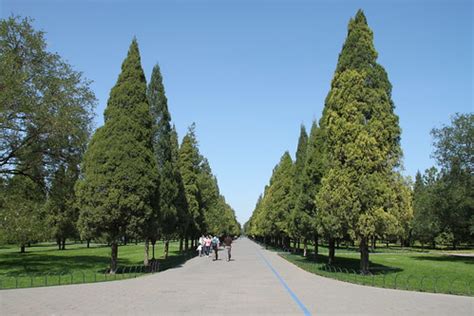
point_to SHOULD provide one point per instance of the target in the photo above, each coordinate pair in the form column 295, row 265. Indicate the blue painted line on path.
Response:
column 292, row 294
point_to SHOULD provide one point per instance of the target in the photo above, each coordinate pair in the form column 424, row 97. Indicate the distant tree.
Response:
column 21, row 212
column 45, row 105
column 190, row 161
column 454, row 152
column 311, row 182
column 209, row 199
column 426, row 221
column 60, row 208
column 296, row 219
column 278, row 200
column 453, row 144
column 183, row 215
column 118, row 187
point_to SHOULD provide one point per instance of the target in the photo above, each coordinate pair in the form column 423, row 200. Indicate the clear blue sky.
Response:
column 250, row 72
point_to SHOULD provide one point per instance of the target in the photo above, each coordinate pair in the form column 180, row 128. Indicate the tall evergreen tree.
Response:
column 311, row 182
column 296, row 216
column 362, row 145
column 116, row 193
column 183, row 215
column 278, row 200
column 166, row 213
column 189, row 161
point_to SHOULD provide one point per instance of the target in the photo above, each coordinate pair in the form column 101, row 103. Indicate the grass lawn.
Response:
column 409, row 269
column 43, row 264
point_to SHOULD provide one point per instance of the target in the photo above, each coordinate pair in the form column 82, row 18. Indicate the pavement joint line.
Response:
column 292, row 294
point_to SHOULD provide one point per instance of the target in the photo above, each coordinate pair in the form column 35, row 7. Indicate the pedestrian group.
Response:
column 208, row 244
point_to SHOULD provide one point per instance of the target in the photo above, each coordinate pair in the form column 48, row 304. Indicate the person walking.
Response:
column 228, row 246
column 215, row 246
column 207, row 242
column 201, row 246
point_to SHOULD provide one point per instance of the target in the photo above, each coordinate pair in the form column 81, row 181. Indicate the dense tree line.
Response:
column 130, row 180
column 443, row 199
column 345, row 183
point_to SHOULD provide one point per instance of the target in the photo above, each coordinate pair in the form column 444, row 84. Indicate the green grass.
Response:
column 408, row 270
column 44, row 265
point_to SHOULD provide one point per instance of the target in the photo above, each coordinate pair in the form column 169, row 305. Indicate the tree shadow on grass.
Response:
column 341, row 264
column 35, row 263
column 446, row 258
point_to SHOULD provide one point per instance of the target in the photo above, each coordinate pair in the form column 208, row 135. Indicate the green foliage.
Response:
column 117, row 190
column 454, row 143
column 272, row 211
column 361, row 195
column 312, row 174
column 189, row 166
column 62, row 213
column 165, row 216
column 296, row 216
column 426, row 224
column 444, row 201
column 46, row 107
column 21, row 211
column 183, row 218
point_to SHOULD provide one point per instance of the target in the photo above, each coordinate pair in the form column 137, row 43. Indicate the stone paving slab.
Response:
column 256, row 282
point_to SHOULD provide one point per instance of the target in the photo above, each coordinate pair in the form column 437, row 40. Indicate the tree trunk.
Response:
column 373, row 241
column 58, row 241
column 22, row 249
column 305, row 247
column 88, row 243
column 265, row 241
column 181, row 244
column 63, row 244
column 113, row 257
column 454, row 244
column 186, row 243
column 153, row 243
column 316, row 246
column 331, row 251
column 167, row 244
column 364, row 256
column 146, row 262
column 298, row 246
column 387, row 243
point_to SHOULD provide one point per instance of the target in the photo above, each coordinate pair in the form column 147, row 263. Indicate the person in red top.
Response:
column 228, row 246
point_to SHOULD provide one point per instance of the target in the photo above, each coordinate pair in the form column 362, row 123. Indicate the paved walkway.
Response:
column 257, row 282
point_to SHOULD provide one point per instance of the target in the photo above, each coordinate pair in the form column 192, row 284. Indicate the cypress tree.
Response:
column 296, row 216
column 183, row 216
column 310, row 184
column 189, row 161
column 117, row 191
column 166, row 213
column 278, row 199
column 362, row 146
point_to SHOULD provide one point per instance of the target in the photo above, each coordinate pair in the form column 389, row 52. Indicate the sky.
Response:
column 249, row 73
